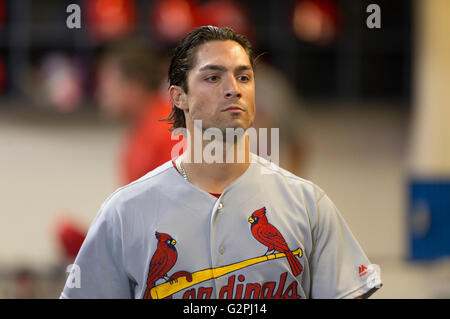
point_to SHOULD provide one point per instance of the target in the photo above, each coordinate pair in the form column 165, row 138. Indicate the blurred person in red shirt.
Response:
column 131, row 89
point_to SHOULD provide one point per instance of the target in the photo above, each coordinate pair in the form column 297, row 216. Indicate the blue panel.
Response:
column 429, row 218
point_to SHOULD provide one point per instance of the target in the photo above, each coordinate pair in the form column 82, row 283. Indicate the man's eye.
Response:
column 244, row 78
column 213, row 78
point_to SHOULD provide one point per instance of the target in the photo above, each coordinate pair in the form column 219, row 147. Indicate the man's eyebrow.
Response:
column 244, row 68
column 222, row 68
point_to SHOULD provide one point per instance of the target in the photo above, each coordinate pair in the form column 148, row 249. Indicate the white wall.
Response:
column 46, row 171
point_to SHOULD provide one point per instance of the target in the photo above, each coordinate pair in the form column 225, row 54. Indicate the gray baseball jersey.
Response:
column 270, row 234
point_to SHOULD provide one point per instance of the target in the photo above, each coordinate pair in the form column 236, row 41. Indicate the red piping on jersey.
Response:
column 214, row 194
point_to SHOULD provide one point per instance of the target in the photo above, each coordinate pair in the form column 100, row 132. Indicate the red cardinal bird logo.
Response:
column 269, row 236
column 162, row 261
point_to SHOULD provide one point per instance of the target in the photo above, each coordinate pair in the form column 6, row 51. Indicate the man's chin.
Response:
column 233, row 126
column 237, row 125
column 229, row 129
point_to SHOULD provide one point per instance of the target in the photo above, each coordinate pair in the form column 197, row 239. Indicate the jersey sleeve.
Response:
column 98, row 270
column 339, row 266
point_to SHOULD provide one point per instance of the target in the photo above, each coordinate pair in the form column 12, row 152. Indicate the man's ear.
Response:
column 178, row 97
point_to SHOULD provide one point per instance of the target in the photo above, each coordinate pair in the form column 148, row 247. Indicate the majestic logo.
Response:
column 362, row 270
column 166, row 255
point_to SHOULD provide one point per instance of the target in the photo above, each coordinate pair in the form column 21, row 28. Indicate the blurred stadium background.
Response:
column 369, row 107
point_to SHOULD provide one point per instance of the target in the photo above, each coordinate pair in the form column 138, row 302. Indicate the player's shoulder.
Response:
column 270, row 170
column 141, row 187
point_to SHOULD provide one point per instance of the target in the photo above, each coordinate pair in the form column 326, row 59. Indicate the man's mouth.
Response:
column 233, row 109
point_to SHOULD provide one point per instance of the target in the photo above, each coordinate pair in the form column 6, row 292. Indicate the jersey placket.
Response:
column 216, row 248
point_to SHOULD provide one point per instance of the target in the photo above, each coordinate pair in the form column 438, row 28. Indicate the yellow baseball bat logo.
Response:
column 173, row 286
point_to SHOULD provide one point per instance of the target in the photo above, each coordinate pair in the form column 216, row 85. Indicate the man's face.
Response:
column 221, row 87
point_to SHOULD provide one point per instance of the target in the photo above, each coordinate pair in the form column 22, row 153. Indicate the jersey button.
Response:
column 220, row 206
column 221, row 250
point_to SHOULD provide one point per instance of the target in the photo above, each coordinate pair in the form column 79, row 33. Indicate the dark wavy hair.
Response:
column 183, row 60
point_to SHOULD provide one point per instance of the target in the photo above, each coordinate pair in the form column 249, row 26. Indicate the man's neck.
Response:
column 216, row 176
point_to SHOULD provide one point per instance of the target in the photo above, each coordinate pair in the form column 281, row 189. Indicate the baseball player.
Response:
column 227, row 229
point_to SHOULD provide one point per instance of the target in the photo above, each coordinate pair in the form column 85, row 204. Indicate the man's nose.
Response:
column 232, row 89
